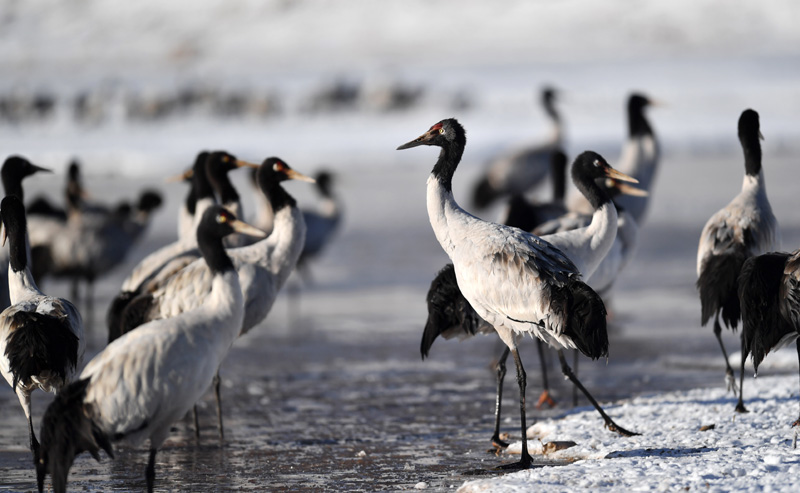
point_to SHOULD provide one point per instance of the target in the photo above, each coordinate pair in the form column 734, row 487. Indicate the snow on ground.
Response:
column 743, row 452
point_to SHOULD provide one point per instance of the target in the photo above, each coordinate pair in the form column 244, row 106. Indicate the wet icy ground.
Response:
column 305, row 395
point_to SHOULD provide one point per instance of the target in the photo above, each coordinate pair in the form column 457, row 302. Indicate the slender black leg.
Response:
column 501, row 375
column 575, row 370
column 34, row 441
column 610, row 424
column 545, row 397
column 525, row 460
column 796, row 423
column 730, row 380
column 89, row 294
column 740, row 405
column 196, row 423
column 219, row 405
column 150, row 472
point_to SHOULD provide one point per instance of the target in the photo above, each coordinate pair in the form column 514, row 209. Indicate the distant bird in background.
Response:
column 321, row 223
column 520, row 170
column 639, row 159
column 769, row 295
column 140, row 384
column 41, row 337
column 186, row 225
column 14, row 170
column 743, row 228
column 517, row 282
column 525, row 215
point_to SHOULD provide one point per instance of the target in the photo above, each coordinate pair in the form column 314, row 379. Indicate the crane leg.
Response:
column 525, row 460
column 730, row 380
column 545, row 397
column 150, row 472
column 796, row 423
column 575, row 370
column 196, row 422
column 740, row 405
column 610, row 424
column 219, row 405
column 501, row 375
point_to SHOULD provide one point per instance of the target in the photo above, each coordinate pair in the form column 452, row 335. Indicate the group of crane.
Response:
column 541, row 270
column 172, row 324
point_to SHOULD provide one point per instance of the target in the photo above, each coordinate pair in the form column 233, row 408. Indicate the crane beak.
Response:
column 760, row 135
column 626, row 189
column 242, row 164
column 245, row 229
column 296, row 175
column 181, row 177
column 617, row 175
column 37, row 169
column 421, row 140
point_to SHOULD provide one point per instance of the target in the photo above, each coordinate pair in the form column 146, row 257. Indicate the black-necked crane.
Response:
column 14, row 170
column 41, row 337
column 517, row 172
column 145, row 381
column 186, row 224
column 639, row 158
column 450, row 315
column 263, row 266
column 517, row 282
column 769, row 295
column 743, row 228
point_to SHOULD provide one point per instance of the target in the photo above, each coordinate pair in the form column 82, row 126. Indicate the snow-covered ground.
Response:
column 705, row 60
column 676, row 450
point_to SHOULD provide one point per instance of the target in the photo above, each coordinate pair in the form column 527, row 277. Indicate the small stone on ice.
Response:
column 361, row 454
column 421, row 485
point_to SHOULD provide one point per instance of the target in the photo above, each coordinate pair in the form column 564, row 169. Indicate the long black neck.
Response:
column 752, row 153
column 191, row 199
column 638, row 125
column 213, row 251
column 227, row 194
column 202, row 187
column 12, row 185
column 448, row 161
column 558, row 171
column 550, row 109
column 595, row 194
column 15, row 229
column 278, row 197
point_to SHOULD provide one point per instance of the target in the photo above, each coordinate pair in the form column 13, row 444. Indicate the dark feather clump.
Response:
column 43, row 207
column 39, row 344
column 68, row 429
column 137, row 313
column 718, row 285
column 763, row 326
column 449, row 313
column 586, row 318
column 115, row 311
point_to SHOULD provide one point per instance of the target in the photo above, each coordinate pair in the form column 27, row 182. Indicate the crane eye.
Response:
column 441, row 130
column 597, row 163
column 222, row 218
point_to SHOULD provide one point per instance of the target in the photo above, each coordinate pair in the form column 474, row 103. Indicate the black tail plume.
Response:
column 763, row 326
column 449, row 313
column 40, row 344
column 718, row 285
column 586, row 318
column 67, row 430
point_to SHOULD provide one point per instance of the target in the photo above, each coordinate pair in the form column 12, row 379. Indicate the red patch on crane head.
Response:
column 438, row 126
